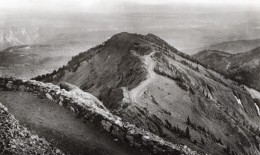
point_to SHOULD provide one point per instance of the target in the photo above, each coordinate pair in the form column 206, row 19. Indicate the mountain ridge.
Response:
column 237, row 46
column 242, row 67
column 181, row 88
column 232, row 47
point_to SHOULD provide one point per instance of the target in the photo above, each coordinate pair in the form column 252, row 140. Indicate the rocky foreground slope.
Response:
column 15, row 139
column 151, row 84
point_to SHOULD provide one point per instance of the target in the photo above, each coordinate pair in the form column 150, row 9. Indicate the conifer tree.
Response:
column 188, row 120
column 187, row 133
column 202, row 141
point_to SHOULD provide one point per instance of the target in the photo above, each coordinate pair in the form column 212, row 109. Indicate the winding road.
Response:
column 137, row 91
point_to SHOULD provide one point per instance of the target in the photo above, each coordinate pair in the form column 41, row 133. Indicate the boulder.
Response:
column 106, row 125
column 130, row 138
column 22, row 88
column 9, row 85
column 67, row 86
column 49, row 96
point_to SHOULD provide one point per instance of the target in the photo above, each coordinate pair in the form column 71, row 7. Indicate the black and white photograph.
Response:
column 129, row 77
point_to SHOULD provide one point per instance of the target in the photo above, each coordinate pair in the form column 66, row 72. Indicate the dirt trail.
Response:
column 136, row 92
column 60, row 126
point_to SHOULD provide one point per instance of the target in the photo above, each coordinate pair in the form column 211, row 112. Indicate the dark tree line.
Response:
column 203, row 129
column 190, row 65
column 181, row 133
column 226, row 149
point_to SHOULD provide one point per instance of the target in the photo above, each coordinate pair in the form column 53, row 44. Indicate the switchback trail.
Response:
column 136, row 92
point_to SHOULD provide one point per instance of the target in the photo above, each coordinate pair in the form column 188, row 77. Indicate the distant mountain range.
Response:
column 149, row 83
column 231, row 59
column 238, row 46
column 34, row 59
column 18, row 36
column 232, row 47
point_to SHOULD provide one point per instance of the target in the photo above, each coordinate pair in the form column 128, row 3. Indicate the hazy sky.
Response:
column 108, row 5
column 187, row 24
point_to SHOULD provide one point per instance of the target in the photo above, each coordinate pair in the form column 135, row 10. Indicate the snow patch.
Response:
column 239, row 101
column 254, row 93
column 257, row 108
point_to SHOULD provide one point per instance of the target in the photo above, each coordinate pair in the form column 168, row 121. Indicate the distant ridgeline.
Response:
column 91, row 109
